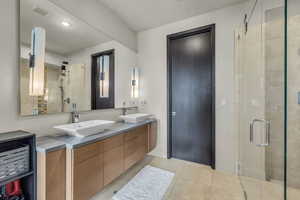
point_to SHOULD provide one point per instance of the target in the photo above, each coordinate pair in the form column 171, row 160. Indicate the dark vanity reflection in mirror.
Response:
column 65, row 61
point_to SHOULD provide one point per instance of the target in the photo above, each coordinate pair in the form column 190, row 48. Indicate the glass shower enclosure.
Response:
column 292, row 95
column 267, row 77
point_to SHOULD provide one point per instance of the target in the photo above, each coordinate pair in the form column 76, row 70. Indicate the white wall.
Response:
column 153, row 61
column 125, row 59
column 9, row 82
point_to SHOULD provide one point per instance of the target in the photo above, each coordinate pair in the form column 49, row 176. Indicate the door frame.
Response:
column 209, row 28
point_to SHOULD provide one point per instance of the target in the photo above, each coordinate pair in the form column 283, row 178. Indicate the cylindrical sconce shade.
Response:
column 103, row 63
column 37, row 62
column 135, row 82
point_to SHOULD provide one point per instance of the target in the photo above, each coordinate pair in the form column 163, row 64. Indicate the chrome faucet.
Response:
column 125, row 109
column 74, row 113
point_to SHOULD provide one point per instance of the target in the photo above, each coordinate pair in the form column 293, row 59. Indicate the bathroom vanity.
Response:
column 75, row 168
column 72, row 67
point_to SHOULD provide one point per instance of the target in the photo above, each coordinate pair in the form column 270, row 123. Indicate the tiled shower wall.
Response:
column 51, row 104
column 74, row 88
column 275, row 96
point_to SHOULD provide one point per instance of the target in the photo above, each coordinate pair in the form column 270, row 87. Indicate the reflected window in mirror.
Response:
column 103, row 79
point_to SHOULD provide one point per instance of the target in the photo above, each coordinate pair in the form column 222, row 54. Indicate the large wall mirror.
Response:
column 65, row 63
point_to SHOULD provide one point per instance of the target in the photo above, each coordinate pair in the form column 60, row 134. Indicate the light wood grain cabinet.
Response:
column 51, row 177
column 92, row 166
column 135, row 146
column 113, row 158
column 87, row 151
column 88, row 177
column 84, row 171
column 113, row 164
column 152, row 136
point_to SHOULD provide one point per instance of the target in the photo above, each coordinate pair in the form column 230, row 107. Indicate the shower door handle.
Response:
column 266, row 132
column 173, row 114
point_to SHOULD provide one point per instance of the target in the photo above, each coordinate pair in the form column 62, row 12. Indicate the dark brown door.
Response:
column 103, row 80
column 191, row 95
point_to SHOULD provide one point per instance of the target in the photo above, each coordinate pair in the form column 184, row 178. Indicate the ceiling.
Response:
column 145, row 14
column 59, row 39
column 137, row 14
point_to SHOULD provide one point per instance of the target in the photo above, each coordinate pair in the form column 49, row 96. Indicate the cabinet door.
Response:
column 113, row 164
column 135, row 148
column 152, row 136
column 52, row 175
column 137, row 155
column 88, row 178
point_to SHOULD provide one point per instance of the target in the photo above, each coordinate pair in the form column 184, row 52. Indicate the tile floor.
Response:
column 263, row 190
column 198, row 182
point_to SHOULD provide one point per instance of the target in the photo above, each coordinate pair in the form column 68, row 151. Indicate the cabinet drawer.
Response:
column 88, row 151
column 132, row 145
column 113, row 142
column 134, row 157
column 113, row 164
column 88, row 178
column 132, row 134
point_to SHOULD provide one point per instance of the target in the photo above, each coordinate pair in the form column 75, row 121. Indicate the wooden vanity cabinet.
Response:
column 92, row 166
column 51, row 176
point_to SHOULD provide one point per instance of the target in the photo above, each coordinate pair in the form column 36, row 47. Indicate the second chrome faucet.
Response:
column 75, row 114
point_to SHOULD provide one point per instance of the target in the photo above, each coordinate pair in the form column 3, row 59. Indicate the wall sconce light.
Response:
column 37, row 62
column 104, row 76
column 135, row 82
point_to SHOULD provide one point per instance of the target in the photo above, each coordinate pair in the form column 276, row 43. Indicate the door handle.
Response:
column 267, row 132
column 173, row 114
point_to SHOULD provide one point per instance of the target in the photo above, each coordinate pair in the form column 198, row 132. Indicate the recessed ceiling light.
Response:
column 65, row 23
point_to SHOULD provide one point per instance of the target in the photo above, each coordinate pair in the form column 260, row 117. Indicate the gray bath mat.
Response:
column 150, row 183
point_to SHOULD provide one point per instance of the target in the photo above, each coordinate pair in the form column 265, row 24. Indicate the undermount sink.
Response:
column 86, row 128
column 135, row 118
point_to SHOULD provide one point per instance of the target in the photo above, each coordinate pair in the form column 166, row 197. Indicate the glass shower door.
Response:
column 293, row 99
column 259, row 74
